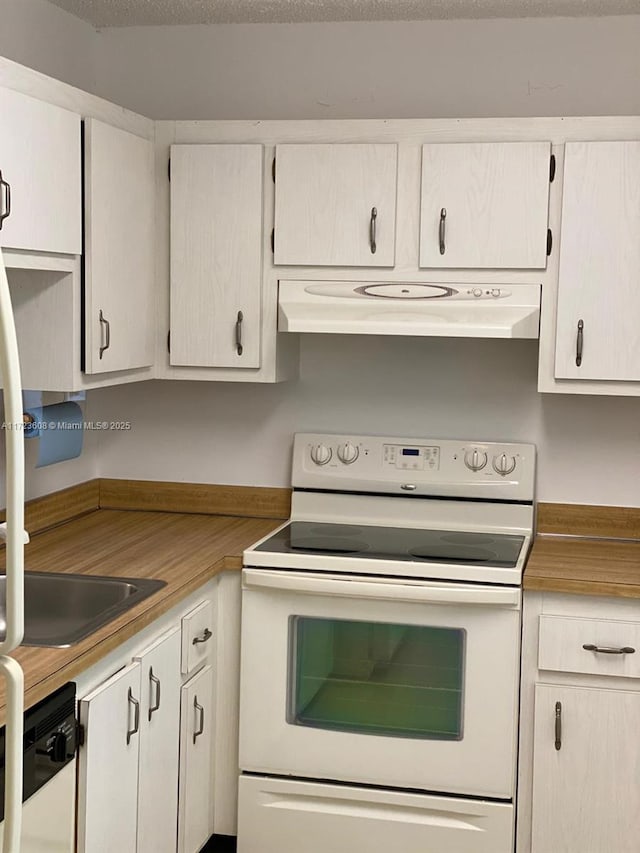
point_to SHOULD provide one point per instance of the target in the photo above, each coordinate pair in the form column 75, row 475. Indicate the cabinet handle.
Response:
column 136, row 716
column 239, row 321
column 207, row 634
column 579, row 340
column 106, row 325
column 558, row 725
column 442, row 230
column 372, row 230
column 7, row 200
column 154, row 682
column 199, row 710
column 609, row 650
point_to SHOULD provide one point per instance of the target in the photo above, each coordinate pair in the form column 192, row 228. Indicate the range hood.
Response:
column 410, row 308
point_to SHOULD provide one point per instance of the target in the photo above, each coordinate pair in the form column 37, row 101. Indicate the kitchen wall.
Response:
column 44, row 37
column 523, row 67
column 589, row 448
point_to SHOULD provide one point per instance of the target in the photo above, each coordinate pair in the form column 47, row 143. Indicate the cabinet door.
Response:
column 159, row 744
column 336, row 205
column 216, row 255
column 40, row 166
column 108, row 765
column 586, row 795
column 485, row 205
column 195, row 813
column 598, row 286
column 119, row 260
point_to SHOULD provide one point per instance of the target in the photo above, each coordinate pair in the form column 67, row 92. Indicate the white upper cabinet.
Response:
column 485, row 205
column 216, row 255
column 336, row 205
column 599, row 282
column 40, row 175
column 119, row 252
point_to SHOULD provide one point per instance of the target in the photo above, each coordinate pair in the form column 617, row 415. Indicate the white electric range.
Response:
column 381, row 649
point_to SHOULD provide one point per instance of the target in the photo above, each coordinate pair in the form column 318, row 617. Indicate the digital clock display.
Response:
column 410, row 451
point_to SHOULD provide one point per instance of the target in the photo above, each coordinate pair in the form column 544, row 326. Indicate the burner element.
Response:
column 328, row 545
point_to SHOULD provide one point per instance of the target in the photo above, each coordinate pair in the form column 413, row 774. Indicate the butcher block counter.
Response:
column 183, row 548
column 586, row 550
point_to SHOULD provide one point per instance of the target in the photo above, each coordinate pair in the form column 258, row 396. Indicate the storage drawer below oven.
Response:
column 277, row 815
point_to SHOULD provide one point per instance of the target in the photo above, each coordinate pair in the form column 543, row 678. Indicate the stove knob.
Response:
column 477, row 292
column 503, row 464
column 348, row 453
column 321, row 454
column 475, row 459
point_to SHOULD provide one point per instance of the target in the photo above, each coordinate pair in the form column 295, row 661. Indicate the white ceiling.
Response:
column 129, row 13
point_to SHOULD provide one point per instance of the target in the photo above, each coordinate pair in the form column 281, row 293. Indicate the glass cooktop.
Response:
column 454, row 547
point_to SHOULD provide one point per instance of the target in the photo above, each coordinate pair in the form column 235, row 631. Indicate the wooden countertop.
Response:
column 584, row 566
column 185, row 550
column 598, row 555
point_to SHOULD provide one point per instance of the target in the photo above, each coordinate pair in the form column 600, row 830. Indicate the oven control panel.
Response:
column 434, row 467
column 414, row 457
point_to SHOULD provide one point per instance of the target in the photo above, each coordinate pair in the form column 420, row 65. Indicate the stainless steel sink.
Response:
column 62, row 609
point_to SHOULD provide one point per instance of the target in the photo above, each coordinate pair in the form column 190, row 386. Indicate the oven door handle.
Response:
column 382, row 590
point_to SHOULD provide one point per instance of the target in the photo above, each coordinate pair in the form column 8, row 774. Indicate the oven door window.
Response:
column 376, row 678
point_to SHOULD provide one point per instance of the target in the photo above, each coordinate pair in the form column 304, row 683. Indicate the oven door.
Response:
column 385, row 682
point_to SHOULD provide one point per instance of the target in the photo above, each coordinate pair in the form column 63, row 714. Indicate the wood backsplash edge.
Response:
column 199, row 498
column 615, row 522
column 59, row 507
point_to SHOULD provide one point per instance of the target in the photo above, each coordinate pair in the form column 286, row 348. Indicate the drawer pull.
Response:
column 136, row 716
column 154, row 681
column 239, row 322
column 203, row 639
column 372, row 230
column 200, row 711
column 106, row 325
column 608, row 650
column 442, row 230
column 558, row 725
column 579, row 342
column 7, row 204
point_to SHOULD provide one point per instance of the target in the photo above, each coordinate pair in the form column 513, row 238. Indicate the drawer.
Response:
column 197, row 636
column 562, row 641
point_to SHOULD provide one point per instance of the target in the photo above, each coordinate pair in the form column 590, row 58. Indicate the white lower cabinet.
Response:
column 586, row 772
column 145, row 782
column 108, row 765
column 159, row 726
column 277, row 815
column 579, row 755
column 195, row 814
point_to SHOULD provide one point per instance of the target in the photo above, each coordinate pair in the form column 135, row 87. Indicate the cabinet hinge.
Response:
column 169, row 169
column 80, row 734
column 552, row 168
column 549, row 241
column 169, row 341
column 273, row 241
column 273, row 170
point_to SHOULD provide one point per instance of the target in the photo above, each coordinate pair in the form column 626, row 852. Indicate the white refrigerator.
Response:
column 12, row 620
